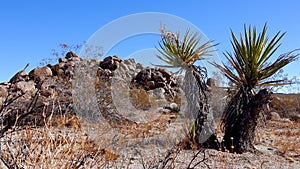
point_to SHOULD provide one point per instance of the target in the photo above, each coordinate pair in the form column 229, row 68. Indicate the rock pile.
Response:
column 111, row 63
column 152, row 78
column 47, row 91
column 35, row 96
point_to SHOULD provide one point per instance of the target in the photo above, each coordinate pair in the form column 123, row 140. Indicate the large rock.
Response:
column 111, row 63
column 129, row 61
column 157, row 76
column 3, row 94
column 62, row 60
column 71, row 55
column 59, row 69
column 159, row 93
column 150, row 85
column 25, row 86
column 169, row 108
column 3, row 91
column 40, row 73
column 274, row 116
column 143, row 76
column 152, row 78
column 165, row 73
column 140, row 66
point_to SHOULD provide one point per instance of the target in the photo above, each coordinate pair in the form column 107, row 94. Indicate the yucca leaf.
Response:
column 179, row 53
column 251, row 53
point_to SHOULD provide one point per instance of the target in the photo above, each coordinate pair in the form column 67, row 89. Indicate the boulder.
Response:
column 165, row 73
column 40, row 73
column 162, row 110
column 173, row 107
column 160, row 84
column 104, row 73
column 274, row 116
column 150, row 85
column 25, row 86
column 143, row 76
column 3, row 91
column 129, row 61
column 70, row 64
column 75, row 59
column 161, row 78
column 71, row 55
column 47, row 83
column 110, row 62
column 58, row 69
column 140, row 66
column 157, row 76
column 159, row 93
column 123, row 67
column 62, row 60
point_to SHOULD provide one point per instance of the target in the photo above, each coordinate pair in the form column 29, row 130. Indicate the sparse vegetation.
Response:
column 63, row 140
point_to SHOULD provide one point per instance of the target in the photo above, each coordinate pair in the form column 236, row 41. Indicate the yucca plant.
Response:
column 249, row 70
column 182, row 54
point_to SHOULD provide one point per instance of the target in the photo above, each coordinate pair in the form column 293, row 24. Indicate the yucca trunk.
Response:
column 197, row 99
column 240, row 119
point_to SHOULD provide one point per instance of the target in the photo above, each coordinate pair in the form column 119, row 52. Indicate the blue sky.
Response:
column 31, row 28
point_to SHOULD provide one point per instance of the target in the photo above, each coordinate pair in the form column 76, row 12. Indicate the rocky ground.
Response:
column 277, row 145
column 129, row 114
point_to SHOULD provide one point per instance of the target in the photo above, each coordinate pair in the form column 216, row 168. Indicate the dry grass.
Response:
column 69, row 146
column 64, row 143
column 53, row 147
column 283, row 137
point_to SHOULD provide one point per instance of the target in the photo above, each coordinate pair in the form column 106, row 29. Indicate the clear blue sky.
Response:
column 31, row 28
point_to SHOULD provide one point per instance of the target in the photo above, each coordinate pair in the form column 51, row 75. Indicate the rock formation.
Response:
column 48, row 91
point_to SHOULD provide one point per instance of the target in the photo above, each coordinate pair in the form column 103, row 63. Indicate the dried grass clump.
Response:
column 284, row 137
column 53, row 147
